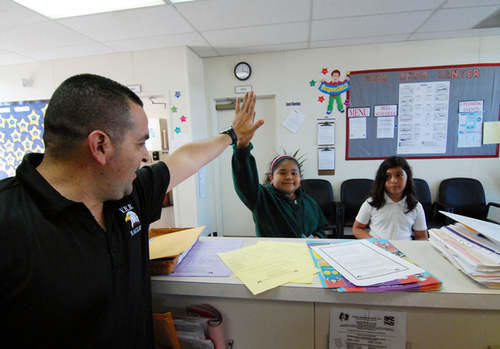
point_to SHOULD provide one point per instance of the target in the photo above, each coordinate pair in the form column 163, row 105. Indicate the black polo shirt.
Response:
column 64, row 281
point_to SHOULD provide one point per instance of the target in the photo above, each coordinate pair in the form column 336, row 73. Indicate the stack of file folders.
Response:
column 332, row 279
column 472, row 246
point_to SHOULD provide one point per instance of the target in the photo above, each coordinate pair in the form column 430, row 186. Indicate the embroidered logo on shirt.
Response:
column 132, row 218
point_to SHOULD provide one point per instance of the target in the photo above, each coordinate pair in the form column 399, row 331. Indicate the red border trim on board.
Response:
column 347, row 158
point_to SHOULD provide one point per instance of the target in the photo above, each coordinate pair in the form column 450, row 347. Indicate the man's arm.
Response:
column 185, row 161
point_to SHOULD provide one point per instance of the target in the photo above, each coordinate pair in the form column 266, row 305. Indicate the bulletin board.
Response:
column 21, row 132
column 422, row 112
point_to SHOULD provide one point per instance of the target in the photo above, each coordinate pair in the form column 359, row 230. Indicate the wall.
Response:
column 287, row 75
column 159, row 72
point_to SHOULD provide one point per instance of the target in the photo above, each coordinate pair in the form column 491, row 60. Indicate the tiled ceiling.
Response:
column 229, row 27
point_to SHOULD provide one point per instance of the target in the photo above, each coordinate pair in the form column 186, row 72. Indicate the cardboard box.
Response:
column 167, row 247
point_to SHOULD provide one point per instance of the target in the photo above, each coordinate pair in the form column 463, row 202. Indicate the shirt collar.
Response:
column 388, row 200
column 48, row 199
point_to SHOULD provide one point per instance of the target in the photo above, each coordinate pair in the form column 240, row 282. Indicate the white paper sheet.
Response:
column 365, row 264
column 294, row 120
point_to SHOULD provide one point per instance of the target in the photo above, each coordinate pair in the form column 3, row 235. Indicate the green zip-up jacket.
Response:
column 274, row 213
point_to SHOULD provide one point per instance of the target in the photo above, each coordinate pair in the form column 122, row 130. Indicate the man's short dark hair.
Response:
column 83, row 104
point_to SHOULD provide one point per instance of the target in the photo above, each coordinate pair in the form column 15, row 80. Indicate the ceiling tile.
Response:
column 367, row 26
column 262, row 49
column 42, row 35
column 455, row 34
column 469, row 3
column 341, row 9
column 222, row 14
column 68, row 52
column 258, row 36
column 457, row 19
column 11, row 13
column 359, row 41
column 137, row 23
column 7, row 58
column 154, row 42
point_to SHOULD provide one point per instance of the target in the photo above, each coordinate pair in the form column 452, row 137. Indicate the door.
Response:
column 235, row 217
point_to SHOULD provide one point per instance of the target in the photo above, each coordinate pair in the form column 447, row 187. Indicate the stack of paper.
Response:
column 472, row 246
column 269, row 264
column 369, row 266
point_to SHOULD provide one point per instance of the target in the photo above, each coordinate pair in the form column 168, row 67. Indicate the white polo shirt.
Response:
column 391, row 222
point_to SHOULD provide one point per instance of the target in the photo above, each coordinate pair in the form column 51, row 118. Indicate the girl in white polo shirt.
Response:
column 392, row 209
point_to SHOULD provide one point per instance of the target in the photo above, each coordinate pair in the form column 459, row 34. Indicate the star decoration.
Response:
column 27, row 144
column 321, row 99
column 312, row 83
column 324, row 71
column 177, row 130
column 174, row 109
column 23, row 126
column 16, row 136
column 9, row 146
column 34, row 118
column 19, row 155
column 183, row 118
column 35, row 133
column 10, row 160
column 177, row 94
column 11, row 122
column 347, row 103
column 44, row 109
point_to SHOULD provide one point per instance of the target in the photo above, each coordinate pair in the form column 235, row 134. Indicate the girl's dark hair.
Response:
column 275, row 163
column 378, row 189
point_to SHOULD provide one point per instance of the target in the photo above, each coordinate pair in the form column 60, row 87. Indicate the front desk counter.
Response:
column 464, row 314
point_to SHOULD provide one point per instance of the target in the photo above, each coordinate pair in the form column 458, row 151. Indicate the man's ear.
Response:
column 100, row 146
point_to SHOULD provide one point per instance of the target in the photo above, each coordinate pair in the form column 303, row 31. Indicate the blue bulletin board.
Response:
column 21, row 132
column 423, row 112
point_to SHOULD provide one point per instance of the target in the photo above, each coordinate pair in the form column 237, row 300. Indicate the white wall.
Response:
column 288, row 74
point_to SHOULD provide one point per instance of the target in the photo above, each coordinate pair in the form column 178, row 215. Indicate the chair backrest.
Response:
column 423, row 195
column 322, row 192
column 353, row 192
column 465, row 196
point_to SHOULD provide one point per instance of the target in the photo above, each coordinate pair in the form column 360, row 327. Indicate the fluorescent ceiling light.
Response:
column 65, row 8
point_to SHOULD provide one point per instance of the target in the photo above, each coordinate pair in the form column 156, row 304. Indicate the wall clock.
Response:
column 242, row 71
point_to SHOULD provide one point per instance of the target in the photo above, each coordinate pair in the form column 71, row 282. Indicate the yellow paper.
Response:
column 173, row 244
column 491, row 132
column 269, row 264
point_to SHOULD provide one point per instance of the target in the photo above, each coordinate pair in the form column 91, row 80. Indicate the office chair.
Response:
column 353, row 192
column 424, row 197
column 321, row 191
column 464, row 196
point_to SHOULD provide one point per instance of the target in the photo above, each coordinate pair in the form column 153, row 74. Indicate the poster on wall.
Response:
column 423, row 117
column 21, row 132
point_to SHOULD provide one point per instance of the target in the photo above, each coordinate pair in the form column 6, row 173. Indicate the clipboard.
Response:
column 326, row 133
column 326, row 161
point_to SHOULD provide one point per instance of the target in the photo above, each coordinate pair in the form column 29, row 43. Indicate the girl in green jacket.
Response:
column 280, row 208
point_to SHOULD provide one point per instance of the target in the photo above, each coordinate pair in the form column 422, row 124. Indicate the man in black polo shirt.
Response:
column 74, row 258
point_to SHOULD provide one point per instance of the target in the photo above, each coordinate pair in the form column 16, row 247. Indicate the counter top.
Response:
column 458, row 290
